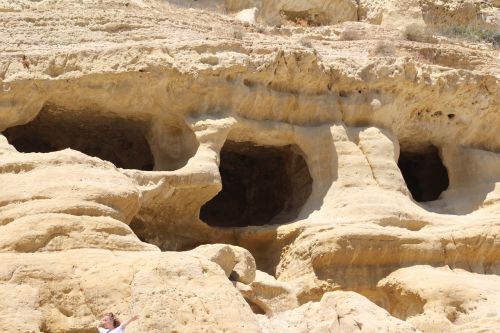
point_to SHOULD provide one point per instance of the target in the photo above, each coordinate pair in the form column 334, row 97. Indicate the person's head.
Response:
column 109, row 321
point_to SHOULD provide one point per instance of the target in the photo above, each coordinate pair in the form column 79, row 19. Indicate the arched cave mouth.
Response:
column 111, row 138
column 424, row 173
column 260, row 185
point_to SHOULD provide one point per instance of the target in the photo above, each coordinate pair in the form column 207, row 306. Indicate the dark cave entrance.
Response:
column 424, row 173
column 111, row 138
column 260, row 185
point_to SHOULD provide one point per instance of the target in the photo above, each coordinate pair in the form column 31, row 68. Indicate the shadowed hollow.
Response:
column 255, row 190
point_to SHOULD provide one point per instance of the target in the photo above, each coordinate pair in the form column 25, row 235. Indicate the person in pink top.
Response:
column 112, row 324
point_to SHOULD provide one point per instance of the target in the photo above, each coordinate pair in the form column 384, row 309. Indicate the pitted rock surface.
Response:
column 250, row 166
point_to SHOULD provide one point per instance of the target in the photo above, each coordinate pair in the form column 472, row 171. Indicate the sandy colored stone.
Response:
column 220, row 254
column 19, row 300
column 166, row 289
column 445, row 300
column 162, row 88
column 268, row 296
column 337, row 311
column 245, row 268
column 87, row 204
column 450, row 12
column 238, row 263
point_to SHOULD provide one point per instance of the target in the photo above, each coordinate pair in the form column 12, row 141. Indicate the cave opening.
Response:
column 108, row 137
column 306, row 18
column 424, row 173
column 260, row 185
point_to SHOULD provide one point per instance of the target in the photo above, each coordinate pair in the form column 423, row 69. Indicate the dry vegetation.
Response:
column 475, row 32
column 384, row 48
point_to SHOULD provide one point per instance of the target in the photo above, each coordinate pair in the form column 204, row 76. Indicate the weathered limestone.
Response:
column 338, row 311
column 347, row 156
column 447, row 300
column 267, row 295
column 18, row 299
column 167, row 290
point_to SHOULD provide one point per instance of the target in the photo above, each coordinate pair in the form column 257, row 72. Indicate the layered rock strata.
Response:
column 343, row 155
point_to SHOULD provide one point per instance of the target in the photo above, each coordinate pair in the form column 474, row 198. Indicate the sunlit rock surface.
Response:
column 343, row 155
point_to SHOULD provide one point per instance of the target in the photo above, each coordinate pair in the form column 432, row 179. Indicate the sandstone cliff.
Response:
column 250, row 166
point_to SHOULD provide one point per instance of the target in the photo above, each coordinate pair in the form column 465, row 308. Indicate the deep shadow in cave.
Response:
column 111, row 138
column 424, row 173
column 260, row 185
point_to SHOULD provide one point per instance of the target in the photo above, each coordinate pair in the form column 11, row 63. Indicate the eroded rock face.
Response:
column 168, row 289
column 449, row 300
column 346, row 168
column 338, row 311
column 114, row 139
column 260, row 185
